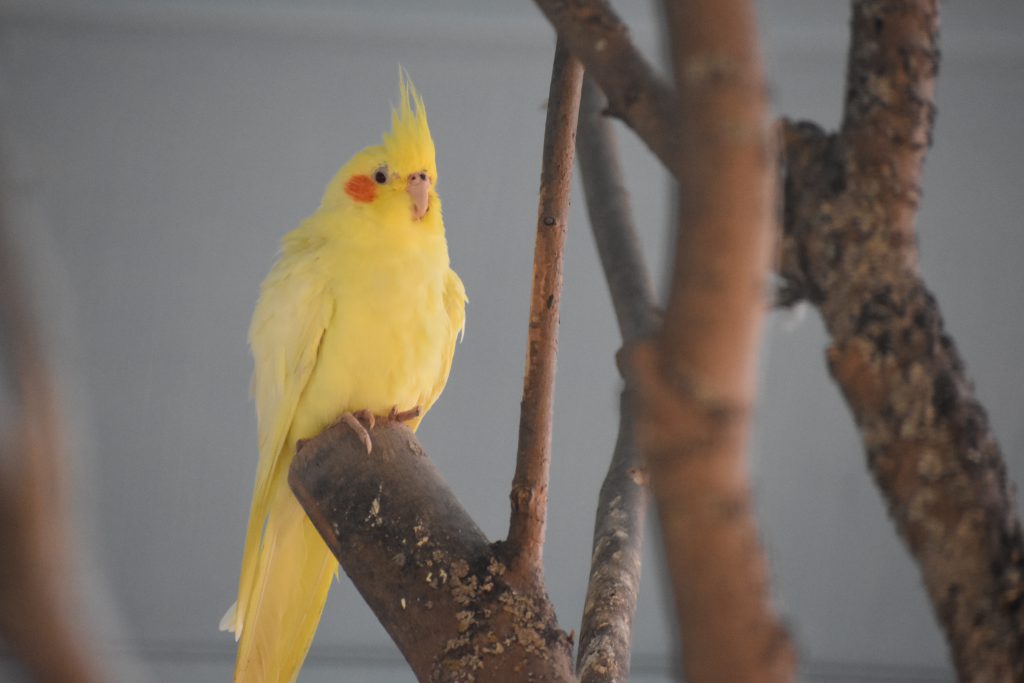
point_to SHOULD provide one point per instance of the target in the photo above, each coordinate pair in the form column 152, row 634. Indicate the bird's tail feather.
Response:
column 227, row 622
column 292, row 577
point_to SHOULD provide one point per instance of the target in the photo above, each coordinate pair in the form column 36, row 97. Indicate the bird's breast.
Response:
column 387, row 339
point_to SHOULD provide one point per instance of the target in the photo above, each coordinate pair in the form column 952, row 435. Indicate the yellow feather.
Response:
column 360, row 311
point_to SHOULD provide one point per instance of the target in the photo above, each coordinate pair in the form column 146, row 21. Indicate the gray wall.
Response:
column 159, row 149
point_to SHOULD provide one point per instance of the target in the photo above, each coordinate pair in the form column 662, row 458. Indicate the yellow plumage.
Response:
column 360, row 312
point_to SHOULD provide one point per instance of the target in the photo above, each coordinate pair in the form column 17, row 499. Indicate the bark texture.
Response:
column 530, row 483
column 445, row 595
column 850, row 248
column 695, row 383
column 607, row 625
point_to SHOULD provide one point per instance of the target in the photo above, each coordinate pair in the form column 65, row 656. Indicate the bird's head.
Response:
column 393, row 182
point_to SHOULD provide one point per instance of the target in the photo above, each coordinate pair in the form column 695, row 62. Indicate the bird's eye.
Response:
column 381, row 176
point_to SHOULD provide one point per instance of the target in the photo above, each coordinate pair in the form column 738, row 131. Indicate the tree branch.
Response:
column 606, row 628
column 617, row 242
column 636, row 94
column 695, row 384
column 37, row 607
column 443, row 593
column 529, row 494
column 851, row 247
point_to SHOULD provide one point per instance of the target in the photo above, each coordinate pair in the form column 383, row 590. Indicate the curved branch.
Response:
column 443, row 593
column 530, row 483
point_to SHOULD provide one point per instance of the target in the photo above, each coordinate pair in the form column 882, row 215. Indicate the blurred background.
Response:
column 156, row 151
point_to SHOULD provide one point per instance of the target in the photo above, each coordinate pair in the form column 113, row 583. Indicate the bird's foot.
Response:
column 405, row 415
column 355, row 423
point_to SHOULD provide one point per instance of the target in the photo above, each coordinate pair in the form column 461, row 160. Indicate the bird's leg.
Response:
column 356, row 426
column 405, row 415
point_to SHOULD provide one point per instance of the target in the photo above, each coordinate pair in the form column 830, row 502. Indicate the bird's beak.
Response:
column 419, row 190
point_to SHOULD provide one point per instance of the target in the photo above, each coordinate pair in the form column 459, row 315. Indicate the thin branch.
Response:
column 636, row 94
column 442, row 592
column 606, row 630
column 529, row 494
column 695, row 384
column 607, row 624
column 851, row 246
column 611, row 221
column 38, row 616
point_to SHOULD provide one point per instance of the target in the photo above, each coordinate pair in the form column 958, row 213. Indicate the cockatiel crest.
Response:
column 405, row 151
column 408, row 143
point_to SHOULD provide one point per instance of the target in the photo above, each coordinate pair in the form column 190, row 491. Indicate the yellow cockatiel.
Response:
column 360, row 313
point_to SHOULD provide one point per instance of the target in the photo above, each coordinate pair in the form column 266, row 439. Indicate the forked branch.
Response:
column 851, row 247
column 445, row 595
column 636, row 94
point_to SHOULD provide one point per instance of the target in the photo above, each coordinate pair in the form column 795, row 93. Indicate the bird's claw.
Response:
column 362, row 421
column 366, row 416
column 356, row 426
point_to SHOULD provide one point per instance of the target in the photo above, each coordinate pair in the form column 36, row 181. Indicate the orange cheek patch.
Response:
column 361, row 188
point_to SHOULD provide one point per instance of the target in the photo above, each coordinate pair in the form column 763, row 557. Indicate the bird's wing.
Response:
column 455, row 305
column 294, row 309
